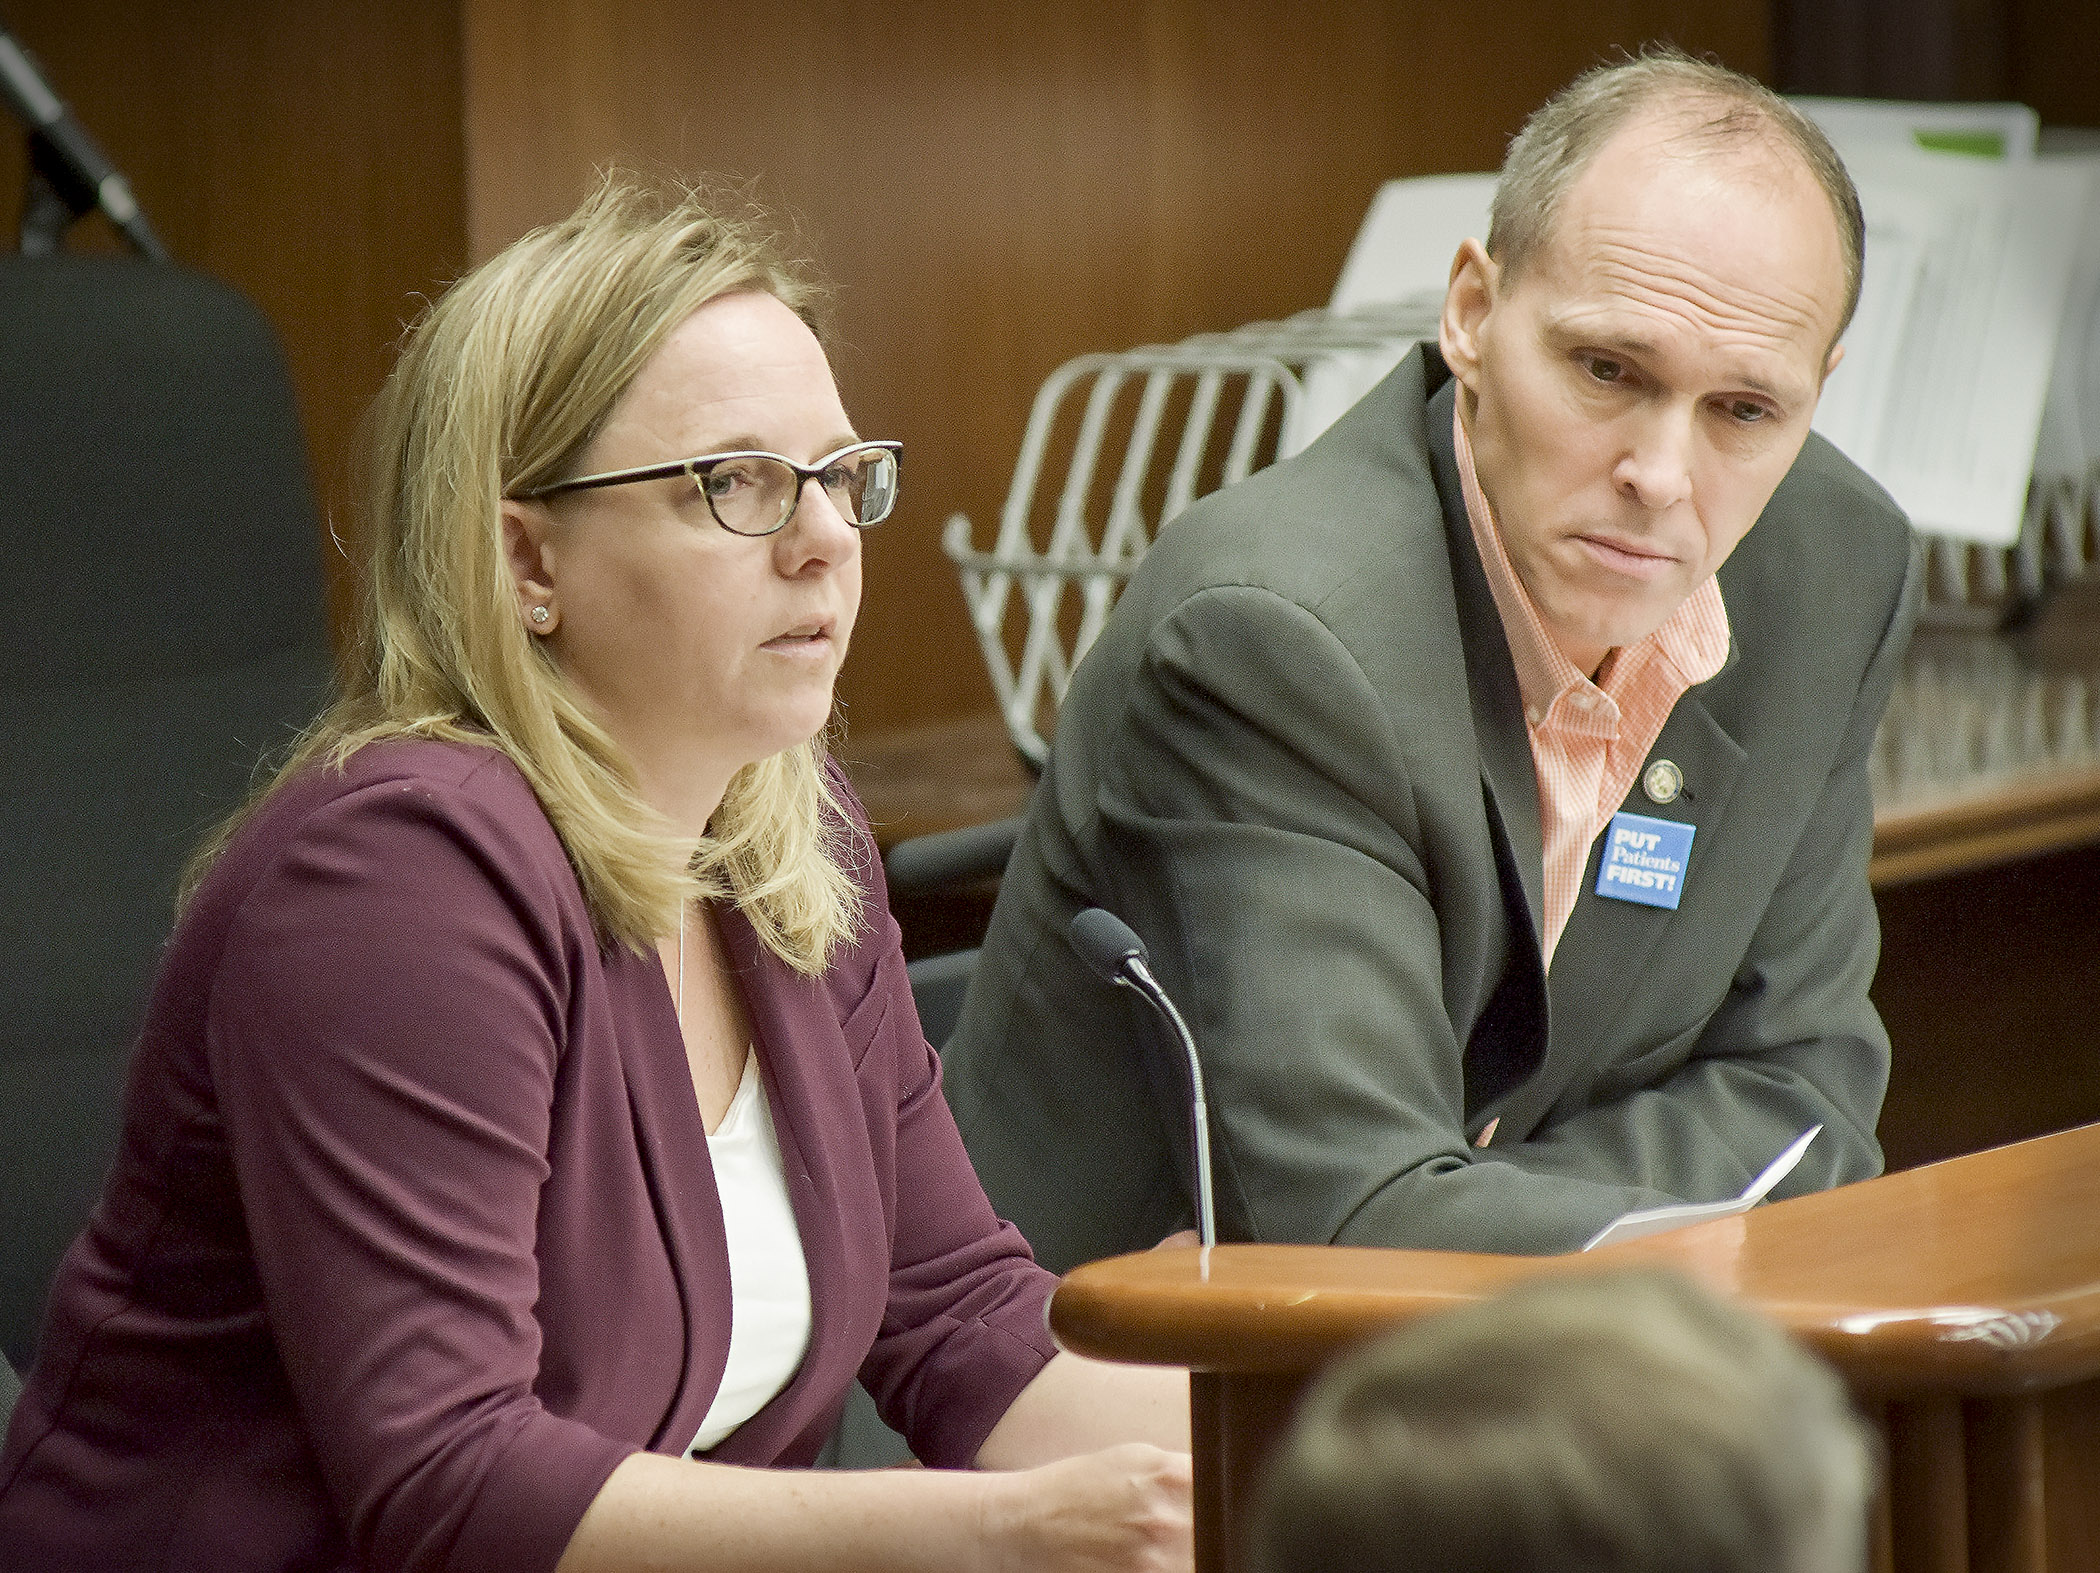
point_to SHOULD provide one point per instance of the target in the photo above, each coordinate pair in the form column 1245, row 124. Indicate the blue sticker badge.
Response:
column 1644, row 860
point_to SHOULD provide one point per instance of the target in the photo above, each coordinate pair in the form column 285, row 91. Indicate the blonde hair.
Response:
column 500, row 386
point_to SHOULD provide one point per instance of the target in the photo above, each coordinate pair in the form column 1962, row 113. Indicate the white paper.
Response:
column 1401, row 255
column 1941, row 418
column 1655, row 1220
column 1960, row 384
column 1410, row 237
column 1856, row 124
column 2069, row 447
column 1859, row 394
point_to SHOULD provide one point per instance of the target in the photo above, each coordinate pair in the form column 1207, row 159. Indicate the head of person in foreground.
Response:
column 1600, row 1423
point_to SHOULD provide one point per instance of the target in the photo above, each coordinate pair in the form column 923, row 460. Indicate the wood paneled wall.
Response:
column 2040, row 52
column 997, row 188
column 308, row 154
column 994, row 188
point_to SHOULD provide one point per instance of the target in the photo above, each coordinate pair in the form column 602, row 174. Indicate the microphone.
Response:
column 62, row 152
column 1112, row 949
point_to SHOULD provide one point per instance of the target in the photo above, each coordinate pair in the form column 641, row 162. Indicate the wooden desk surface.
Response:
column 1989, row 753
column 1981, row 1274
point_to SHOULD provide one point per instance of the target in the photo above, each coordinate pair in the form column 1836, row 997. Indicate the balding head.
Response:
column 1709, row 110
column 1638, row 374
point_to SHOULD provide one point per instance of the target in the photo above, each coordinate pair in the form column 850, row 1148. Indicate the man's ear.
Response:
column 529, row 547
column 1467, row 300
column 1837, row 353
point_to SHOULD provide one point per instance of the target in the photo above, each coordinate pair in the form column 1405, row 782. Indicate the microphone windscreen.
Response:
column 1105, row 942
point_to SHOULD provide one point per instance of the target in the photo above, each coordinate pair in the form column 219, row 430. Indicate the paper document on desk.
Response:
column 1655, row 1220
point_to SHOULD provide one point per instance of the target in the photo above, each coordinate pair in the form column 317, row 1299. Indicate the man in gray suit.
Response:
column 1491, row 794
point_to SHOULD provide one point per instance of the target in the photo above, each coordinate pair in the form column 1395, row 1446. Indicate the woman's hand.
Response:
column 1124, row 1509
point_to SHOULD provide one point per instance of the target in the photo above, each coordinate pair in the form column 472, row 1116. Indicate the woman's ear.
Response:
column 528, row 544
column 1467, row 300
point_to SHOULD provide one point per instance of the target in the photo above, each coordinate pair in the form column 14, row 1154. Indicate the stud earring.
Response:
column 540, row 616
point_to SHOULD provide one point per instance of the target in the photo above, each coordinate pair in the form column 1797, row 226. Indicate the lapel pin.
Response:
column 1662, row 781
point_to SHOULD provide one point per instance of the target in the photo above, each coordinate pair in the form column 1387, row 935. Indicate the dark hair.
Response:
column 1593, row 1423
column 1718, row 106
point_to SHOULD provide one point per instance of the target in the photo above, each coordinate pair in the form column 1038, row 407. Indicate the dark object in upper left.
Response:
column 69, row 176
column 161, row 629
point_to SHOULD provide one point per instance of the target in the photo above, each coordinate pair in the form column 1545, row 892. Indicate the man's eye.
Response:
column 1747, row 411
column 1603, row 370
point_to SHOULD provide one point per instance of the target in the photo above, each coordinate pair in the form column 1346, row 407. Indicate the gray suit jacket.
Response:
column 1296, row 763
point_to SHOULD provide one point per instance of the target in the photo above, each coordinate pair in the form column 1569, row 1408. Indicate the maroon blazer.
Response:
column 412, row 1235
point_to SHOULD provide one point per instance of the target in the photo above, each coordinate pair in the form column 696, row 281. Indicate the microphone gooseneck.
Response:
column 1113, row 951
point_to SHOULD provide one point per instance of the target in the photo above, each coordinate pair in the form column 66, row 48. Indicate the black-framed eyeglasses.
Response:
column 752, row 492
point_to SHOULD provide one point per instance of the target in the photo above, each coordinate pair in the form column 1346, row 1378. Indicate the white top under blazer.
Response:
column 768, row 1275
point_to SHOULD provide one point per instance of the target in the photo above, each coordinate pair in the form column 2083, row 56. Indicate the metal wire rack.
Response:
column 1141, row 435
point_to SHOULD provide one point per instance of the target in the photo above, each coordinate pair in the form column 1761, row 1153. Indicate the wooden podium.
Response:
column 1961, row 1301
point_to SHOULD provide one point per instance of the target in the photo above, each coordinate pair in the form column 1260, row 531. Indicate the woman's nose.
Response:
column 817, row 531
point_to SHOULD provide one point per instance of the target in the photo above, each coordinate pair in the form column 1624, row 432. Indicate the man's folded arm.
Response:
column 1262, row 832
column 1796, row 1042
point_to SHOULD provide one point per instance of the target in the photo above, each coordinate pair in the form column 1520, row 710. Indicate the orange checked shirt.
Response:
column 1588, row 739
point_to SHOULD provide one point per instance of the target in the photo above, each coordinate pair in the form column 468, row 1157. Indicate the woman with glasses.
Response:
column 531, row 1119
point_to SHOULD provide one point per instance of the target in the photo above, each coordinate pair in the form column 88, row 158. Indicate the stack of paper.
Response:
column 1401, row 257
column 2067, row 455
column 1976, row 314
